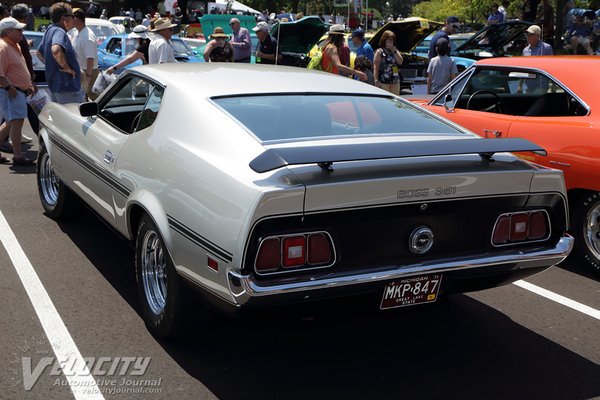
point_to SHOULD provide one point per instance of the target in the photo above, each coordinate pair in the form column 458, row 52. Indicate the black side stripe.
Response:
column 199, row 240
column 90, row 167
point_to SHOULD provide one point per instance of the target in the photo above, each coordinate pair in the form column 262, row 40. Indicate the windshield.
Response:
column 181, row 47
column 282, row 117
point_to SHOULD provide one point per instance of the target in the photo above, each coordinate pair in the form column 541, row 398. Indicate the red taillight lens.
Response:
column 269, row 255
column 502, row 230
column 538, row 225
column 319, row 250
column 294, row 251
column 519, row 226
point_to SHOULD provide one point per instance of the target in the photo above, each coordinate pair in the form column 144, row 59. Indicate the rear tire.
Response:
column 56, row 198
column 586, row 229
column 166, row 301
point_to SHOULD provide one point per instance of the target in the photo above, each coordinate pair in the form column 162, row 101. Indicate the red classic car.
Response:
column 552, row 101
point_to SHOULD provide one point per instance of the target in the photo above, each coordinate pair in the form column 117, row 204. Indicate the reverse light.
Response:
column 518, row 227
column 293, row 252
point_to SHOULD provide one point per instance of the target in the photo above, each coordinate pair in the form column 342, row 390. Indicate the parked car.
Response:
column 39, row 68
column 456, row 40
column 117, row 47
column 543, row 100
column 296, row 38
column 101, row 28
column 346, row 191
column 496, row 40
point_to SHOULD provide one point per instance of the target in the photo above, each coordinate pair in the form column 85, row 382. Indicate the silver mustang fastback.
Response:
column 261, row 186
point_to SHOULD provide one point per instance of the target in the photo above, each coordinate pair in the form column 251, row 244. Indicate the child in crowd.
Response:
column 442, row 69
column 362, row 64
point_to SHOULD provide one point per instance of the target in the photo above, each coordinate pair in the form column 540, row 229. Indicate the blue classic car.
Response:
column 117, row 47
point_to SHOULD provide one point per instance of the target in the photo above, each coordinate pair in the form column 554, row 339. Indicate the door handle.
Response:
column 493, row 132
column 108, row 157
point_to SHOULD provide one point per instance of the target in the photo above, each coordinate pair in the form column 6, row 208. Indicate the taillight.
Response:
column 269, row 255
column 298, row 251
column 294, row 251
column 521, row 227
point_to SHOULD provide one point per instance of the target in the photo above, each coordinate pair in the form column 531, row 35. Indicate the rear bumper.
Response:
column 248, row 291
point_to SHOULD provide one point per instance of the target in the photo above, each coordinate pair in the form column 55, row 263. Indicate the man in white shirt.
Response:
column 161, row 48
column 85, row 45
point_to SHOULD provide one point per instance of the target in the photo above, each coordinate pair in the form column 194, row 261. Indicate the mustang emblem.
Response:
column 421, row 240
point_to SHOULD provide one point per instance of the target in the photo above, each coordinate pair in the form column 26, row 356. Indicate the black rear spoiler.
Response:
column 325, row 155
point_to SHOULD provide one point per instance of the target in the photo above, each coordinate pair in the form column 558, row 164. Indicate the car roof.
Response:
column 578, row 73
column 206, row 80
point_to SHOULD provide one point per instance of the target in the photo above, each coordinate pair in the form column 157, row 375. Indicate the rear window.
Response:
column 282, row 117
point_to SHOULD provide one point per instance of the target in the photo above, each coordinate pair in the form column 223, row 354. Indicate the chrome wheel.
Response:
column 48, row 181
column 154, row 272
column 591, row 230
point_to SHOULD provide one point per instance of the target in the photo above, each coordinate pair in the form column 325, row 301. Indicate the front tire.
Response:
column 164, row 298
column 57, row 200
column 586, row 229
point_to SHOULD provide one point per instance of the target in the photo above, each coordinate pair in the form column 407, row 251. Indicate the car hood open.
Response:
column 493, row 38
column 299, row 36
column 409, row 32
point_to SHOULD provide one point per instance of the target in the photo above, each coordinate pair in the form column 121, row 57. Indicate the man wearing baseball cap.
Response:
column 535, row 45
column 161, row 49
column 363, row 48
column 451, row 26
column 15, row 85
column 267, row 47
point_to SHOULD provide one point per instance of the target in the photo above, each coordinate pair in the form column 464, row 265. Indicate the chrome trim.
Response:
column 591, row 227
column 245, row 287
column 298, row 269
column 524, row 241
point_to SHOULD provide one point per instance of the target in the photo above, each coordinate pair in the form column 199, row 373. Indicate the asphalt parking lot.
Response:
column 68, row 290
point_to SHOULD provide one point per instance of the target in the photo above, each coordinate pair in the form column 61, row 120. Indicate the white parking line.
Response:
column 565, row 301
column 82, row 383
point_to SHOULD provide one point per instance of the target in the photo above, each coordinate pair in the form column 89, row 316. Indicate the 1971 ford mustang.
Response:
column 264, row 186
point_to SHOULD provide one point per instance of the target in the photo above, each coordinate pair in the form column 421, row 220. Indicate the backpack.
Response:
column 315, row 61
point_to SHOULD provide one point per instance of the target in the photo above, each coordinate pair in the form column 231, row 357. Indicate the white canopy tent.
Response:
column 235, row 6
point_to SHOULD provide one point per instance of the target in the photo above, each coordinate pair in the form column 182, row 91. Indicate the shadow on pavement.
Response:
column 458, row 348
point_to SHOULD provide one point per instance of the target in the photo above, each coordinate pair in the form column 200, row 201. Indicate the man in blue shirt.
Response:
column 581, row 34
column 536, row 47
column 364, row 48
column 496, row 16
column 450, row 27
column 56, row 51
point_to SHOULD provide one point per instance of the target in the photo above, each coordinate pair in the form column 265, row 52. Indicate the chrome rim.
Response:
column 592, row 230
column 154, row 272
column 48, row 181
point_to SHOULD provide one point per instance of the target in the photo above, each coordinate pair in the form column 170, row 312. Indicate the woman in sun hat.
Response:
column 140, row 32
column 331, row 59
column 218, row 49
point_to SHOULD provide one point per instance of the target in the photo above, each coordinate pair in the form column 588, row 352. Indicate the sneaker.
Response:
column 22, row 161
column 6, row 147
column 26, row 139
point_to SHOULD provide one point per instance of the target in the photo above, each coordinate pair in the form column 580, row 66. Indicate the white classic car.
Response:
column 263, row 186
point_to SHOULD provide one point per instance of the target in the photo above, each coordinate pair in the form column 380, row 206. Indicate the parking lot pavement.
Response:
column 507, row 342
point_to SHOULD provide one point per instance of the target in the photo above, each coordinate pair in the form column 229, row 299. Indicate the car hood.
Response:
column 493, row 38
column 299, row 36
column 409, row 32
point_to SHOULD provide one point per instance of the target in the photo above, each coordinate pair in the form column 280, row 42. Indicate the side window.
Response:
column 454, row 90
column 114, row 46
column 124, row 106
column 148, row 115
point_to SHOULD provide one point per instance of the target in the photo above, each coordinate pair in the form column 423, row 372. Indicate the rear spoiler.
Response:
column 324, row 156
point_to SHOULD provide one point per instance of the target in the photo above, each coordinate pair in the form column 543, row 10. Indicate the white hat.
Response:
column 10, row 22
column 139, row 31
column 534, row 30
column 261, row 26
column 336, row 29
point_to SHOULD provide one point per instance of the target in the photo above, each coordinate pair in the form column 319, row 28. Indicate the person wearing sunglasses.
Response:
column 451, row 26
column 63, row 72
column 240, row 40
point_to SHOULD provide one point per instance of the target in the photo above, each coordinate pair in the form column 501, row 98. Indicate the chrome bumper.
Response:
column 245, row 287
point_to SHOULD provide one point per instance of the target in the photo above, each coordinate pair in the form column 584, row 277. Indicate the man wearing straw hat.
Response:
column 161, row 49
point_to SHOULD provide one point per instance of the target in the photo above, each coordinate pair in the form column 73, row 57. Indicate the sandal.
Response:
column 22, row 161
column 4, row 160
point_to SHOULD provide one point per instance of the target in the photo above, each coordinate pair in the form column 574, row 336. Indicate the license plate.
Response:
column 410, row 291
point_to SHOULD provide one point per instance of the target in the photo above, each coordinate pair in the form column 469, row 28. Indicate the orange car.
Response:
column 552, row 101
